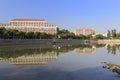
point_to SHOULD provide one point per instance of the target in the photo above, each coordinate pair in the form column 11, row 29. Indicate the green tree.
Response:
column 6, row 34
column 114, row 33
column 88, row 36
column 109, row 34
column 118, row 35
column 99, row 36
column 22, row 35
column 81, row 36
column 29, row 35
column 37, row 35
column 2, row 30
column 43, row 35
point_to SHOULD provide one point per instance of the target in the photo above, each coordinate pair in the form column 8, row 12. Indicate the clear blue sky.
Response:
column 69, row 14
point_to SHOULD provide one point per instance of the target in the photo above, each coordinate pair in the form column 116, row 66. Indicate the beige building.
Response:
column 84, row 31
column 6, row 25
column 31, row 25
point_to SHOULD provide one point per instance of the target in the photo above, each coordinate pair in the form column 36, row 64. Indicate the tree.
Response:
column 37, row 35
column 99, row 36
column 22, row 35
column 71, row 35
column 2, row 29
column 109, row 34
column 88, row 36
column 65, row 34
column 114, row 33
column 43, row 35
column 118, row 35
column 15, row 33
column 29, row 35
column 81, row 36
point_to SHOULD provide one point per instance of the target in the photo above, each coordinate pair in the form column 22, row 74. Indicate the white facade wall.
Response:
column 32, row 25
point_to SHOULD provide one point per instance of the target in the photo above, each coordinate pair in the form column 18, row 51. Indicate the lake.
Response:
column 58, row 62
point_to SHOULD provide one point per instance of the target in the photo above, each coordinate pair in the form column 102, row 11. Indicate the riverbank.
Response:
column 114, row 41
column 20, row 44
column 10, row 42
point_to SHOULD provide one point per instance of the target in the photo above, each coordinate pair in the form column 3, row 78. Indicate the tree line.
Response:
column 15, row 34
column 113, row 34
column 61, row 34
column 65, row 34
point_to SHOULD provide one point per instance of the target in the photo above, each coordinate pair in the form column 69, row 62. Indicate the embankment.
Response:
column 36, row 43
column 11, row 42
column 114, row 41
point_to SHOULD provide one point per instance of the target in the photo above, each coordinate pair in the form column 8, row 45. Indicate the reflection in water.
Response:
column 88, row 49
column 113, row 48
column 42, row 55
column 32, row 59
column 60, row 62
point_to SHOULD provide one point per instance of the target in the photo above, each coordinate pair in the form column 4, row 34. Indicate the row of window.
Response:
column 41, row 25
column 34, row 25
column 4, row 25
column 28, row 23
column 36, row 30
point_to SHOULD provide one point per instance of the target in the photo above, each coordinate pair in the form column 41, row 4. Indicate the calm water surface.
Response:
column 81, row 62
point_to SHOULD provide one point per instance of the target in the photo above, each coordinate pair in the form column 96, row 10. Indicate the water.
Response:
column 78, row 62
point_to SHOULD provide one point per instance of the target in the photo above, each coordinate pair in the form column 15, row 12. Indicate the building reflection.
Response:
column 32, row 59
column 29, row 55
column 85, row 50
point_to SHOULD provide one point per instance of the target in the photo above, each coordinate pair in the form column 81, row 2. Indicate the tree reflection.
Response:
column 57, row 49
column 113, row 48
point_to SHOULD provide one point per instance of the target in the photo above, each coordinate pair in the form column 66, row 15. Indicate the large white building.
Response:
column 31, row 25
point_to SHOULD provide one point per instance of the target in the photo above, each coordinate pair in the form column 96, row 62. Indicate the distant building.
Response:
column 84, row 31
column 31, row 25
column 104, row 34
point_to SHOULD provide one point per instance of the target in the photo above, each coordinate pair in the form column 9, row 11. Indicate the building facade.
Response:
column 84, row 31
column 31, row 25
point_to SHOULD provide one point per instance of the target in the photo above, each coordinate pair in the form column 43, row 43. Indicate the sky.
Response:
column 68, row 14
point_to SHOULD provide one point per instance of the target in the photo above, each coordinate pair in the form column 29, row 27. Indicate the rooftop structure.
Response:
column 28, row 20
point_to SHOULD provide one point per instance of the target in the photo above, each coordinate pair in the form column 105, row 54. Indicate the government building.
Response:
column 31, row 25
column 84, row 31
